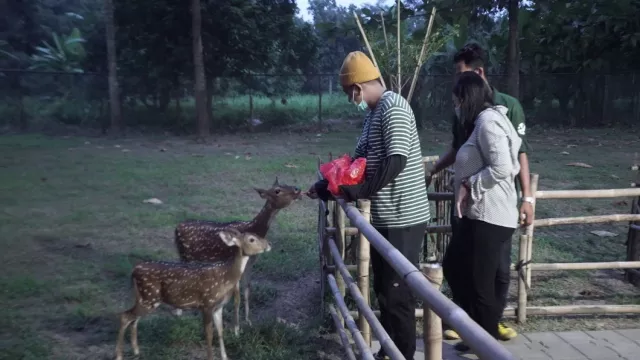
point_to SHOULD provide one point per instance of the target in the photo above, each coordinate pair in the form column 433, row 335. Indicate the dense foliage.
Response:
column 244, row 41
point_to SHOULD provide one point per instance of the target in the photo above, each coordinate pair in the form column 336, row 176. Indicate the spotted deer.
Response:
column 204, row 286
column 198, row 240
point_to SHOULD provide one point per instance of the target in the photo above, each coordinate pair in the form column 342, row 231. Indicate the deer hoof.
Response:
column 177, row 312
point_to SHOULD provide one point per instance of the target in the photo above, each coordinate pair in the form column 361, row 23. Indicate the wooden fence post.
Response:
column 633, row 237
column 363, row 270
column 340, row 223
column 524, row 258
column 432, row 324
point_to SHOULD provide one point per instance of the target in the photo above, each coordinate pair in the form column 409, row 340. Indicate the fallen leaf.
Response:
column 116, row 146
column 70, row 149
column 99, row 147
column 247, row 157
column 571, row 146
column 153, row 201
column 564, row 153
column 87, row 143
column 579, row 164
column 615, row 176
column 290, row 165
column 125, row 150
column 603, row 233
column 237, row 156
column 228, row 153
column 163, row 149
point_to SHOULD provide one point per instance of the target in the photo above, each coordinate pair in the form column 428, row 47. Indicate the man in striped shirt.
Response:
column 395, row 184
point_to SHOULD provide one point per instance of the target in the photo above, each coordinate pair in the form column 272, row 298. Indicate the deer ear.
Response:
column 229, row 238
column 276, row 183
column 262, row 193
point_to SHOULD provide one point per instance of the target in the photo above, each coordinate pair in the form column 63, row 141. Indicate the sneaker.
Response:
column 506, row 333
column 461, row 347
column 380, row 356
column 449, row 334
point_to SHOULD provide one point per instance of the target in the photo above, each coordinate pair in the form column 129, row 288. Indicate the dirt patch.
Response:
column 297, row 301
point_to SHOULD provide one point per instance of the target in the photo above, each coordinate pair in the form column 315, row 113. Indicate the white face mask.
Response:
column 457, row 110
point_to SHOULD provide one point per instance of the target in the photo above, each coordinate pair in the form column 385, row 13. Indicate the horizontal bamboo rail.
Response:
column 380, row 333
column 482, row 344
column 342, row 333
column 431, row 229
column 560, row 310
column 365, row 350
column 587, row 266
column 586, row 194
column 586, row 219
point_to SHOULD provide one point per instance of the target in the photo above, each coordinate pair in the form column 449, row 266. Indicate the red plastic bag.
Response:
column 342, row 172
column 355, row 173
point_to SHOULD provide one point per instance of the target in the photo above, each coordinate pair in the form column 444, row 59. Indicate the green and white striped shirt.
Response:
column 390, row 129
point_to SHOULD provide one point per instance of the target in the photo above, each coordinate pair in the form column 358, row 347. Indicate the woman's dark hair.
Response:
column 474, row 95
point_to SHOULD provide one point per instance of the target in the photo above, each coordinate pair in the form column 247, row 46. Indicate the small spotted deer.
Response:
column 204, row 286
column 198, row 240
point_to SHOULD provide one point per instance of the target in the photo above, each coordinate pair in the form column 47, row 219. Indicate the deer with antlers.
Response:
column 198, row 240
column 204, row 286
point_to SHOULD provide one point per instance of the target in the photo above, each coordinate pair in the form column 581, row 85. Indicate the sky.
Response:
column 304, row 4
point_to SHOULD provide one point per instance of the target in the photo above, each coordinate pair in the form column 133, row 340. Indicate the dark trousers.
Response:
column 397, row 303
column 503, row 277
column 472, row 269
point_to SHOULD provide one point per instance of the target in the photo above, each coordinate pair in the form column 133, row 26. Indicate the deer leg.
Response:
column 236, row 308
column 134, row 337
column 217, row 318
column 247, row 287
column 208, row 330
column 126, row 318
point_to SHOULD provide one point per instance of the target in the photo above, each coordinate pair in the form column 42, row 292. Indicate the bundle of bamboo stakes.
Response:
column 420, row 60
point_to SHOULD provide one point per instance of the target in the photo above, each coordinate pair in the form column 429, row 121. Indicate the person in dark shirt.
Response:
column 472, row 58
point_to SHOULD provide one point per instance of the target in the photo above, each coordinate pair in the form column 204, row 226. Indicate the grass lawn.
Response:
column 73, row 223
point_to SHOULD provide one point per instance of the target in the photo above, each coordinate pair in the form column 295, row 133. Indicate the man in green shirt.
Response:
column 472, row 58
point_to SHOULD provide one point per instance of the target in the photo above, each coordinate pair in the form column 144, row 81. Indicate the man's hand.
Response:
column 526, row 214
column 319, row 190
column 350, row 192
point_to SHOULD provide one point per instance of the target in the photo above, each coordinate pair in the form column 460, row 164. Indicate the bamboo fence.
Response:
column 363, row 323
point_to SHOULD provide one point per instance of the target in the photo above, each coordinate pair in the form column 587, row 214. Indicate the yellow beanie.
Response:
column 357, row 68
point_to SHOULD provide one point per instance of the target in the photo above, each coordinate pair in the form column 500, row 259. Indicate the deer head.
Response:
column 249, row 243
column 280, row 195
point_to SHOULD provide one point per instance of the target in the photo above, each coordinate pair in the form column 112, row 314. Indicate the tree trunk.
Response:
column 202, row 115
column 513, row 60
column 112, row 60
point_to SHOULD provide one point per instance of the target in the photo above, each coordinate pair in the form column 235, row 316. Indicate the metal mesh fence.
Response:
column 29, row 98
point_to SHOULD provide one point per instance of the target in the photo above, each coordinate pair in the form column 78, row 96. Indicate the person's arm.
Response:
column 518, row 120
column 397, row 125
column 493, row 143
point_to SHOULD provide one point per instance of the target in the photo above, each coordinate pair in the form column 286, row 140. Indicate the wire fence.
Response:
column 34, row 99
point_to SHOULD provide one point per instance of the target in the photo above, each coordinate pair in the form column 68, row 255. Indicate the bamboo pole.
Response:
column 366, row 42
column 384, row 31
column 586, row 194
column 432, row 324
column 363, row 308
column 340, row 221
column 483, row 345
column 587, row 219
column 322, row 224
column 398, row 49
column 352, row 231
column 522, row 285
column 414, row 80
column 587, row 266
column 529, row 229
column 365, row 350
column 342, row 333
column 363, row 269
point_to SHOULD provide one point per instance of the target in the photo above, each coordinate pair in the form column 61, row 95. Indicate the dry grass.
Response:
column 73, row 223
